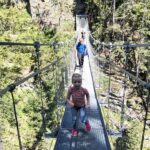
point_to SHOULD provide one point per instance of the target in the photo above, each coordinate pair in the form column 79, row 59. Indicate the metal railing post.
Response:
column 126, row 50
column 145, row 119
column 37, row 59
column 109, row 84
column 11, row 89
column 38, row 78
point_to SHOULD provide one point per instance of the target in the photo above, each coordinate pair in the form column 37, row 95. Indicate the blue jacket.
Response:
column 81, row 48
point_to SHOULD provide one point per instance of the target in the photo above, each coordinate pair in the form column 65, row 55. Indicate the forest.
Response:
column 52, row 22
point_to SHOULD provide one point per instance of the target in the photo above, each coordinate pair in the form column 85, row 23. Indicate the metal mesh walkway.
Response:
column 97, row 138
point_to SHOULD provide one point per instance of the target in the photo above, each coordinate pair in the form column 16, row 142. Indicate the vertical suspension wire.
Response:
column 137, row 65
column 69, row 65
column 124, row 79
column 113, row 18
column 55, row 85
column 66, row 72
column 123, row 99
column 123, row 23
column 37, row 64
column 72, row 62
column 148, row 97
column 12, row 87
column 42, row 104
column 109, row 85
column 63, row 82
column 75, row 56
column 99, row 54
column 138, row 59
column 56, row 89
column 99, row 71
column 65, row 68
column 146, row 106
column 145, row 119
column 98, row 67
column 143, row 19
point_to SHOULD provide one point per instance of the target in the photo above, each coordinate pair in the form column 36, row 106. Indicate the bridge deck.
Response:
column 97, row 138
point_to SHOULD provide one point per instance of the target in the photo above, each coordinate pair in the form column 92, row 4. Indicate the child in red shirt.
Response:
column 78, row 98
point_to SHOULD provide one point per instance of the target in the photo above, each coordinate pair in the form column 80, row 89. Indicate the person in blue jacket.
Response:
column 81, row 51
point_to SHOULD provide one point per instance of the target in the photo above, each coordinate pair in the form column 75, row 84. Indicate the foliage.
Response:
column 131, row 139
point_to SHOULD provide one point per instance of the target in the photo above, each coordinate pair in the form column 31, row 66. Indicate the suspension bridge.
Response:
column 98, row 137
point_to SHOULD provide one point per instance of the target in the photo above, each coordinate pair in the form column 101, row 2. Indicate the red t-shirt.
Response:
column 78, row 95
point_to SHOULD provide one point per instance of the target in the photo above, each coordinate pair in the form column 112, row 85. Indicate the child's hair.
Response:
column 76, row 76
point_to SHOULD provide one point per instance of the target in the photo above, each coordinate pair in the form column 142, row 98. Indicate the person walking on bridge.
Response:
column 81, row 51
column 83, row 35
column 79, row 99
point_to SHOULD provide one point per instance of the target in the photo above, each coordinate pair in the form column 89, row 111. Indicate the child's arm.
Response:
column 87, row 97
column 69, row 98
column 70, row 102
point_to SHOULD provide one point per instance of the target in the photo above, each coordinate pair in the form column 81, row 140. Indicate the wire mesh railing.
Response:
column 39, row 102
column 33, row 104
column 114, row 97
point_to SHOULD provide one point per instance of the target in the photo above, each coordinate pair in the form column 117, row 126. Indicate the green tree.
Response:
column 131, row 139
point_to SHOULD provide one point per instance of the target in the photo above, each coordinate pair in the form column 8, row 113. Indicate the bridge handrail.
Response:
column 8, row 88
column 31, row 44
column 125, row 45
column 141, row 82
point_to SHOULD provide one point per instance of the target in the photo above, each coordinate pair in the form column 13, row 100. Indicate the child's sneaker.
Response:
column 88, row 126
column 74, row 132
